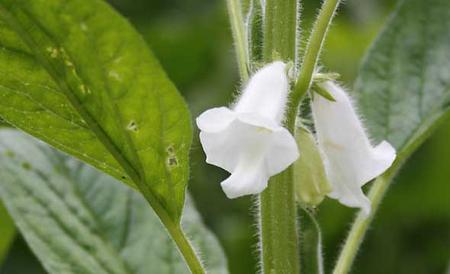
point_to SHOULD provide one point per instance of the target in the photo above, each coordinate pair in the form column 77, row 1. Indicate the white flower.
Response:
column 350, row 160
column 248, row 140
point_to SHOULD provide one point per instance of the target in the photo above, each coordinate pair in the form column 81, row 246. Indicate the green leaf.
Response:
column 7, row 232
column 78, row 220
column 78, row 76
column 404, row 85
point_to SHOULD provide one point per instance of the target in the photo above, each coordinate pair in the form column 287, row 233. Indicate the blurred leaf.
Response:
column 78, row 220
column 7, row 232
column 77, row 75
column 346, row 44
column 404, row 85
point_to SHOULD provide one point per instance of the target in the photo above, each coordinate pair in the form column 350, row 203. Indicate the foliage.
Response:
column 404, row 84
column 78, row 220
column 78, row 76
column 402, row 91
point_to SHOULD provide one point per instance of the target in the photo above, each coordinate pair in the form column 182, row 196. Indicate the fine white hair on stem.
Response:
column 256, row 211
column 298, row 39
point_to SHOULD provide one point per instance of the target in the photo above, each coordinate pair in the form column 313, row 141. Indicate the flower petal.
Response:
column 226, row 148
column 351, row 196
column 383, row 155
column 266, row 93
column 282, row 153
column 258, row 121
column 350, row 160
column 246, row 180
column 215, row 119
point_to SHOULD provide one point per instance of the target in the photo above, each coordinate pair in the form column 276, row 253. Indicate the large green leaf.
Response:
column 78, row 220
column 404, row 84
column 75, row 74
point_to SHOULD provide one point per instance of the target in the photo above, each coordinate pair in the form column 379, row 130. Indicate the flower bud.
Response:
column 311, row 183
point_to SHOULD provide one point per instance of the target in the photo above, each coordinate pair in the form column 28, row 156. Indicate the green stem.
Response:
column 312, row 259
column 278, row 210
column 184, row 246
column 278, row 226
column 311, row 58
column 240, row 41
column 280, row 30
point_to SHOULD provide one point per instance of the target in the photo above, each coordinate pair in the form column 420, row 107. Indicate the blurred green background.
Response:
column 411, row 233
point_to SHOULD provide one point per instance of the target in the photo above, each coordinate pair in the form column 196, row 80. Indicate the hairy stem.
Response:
column 280, row 30
column 311, row 58
column 185, row 248
column 240, row 41
column 278, row 210
column 278, row 226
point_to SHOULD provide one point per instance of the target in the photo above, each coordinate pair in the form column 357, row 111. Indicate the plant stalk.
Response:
column 280, row 30
column 277, row 206
column 311, row 57
column 312, row 259
column 278, row 226
column 186, row 250
column 239, row 37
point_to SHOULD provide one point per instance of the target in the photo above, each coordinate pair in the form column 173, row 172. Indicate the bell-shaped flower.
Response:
column 350, row 159
column 247, row 139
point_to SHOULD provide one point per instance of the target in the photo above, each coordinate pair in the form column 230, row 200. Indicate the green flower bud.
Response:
column 311, row 183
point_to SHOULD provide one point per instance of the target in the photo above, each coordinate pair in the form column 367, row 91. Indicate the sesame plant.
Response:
column 94, row 160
